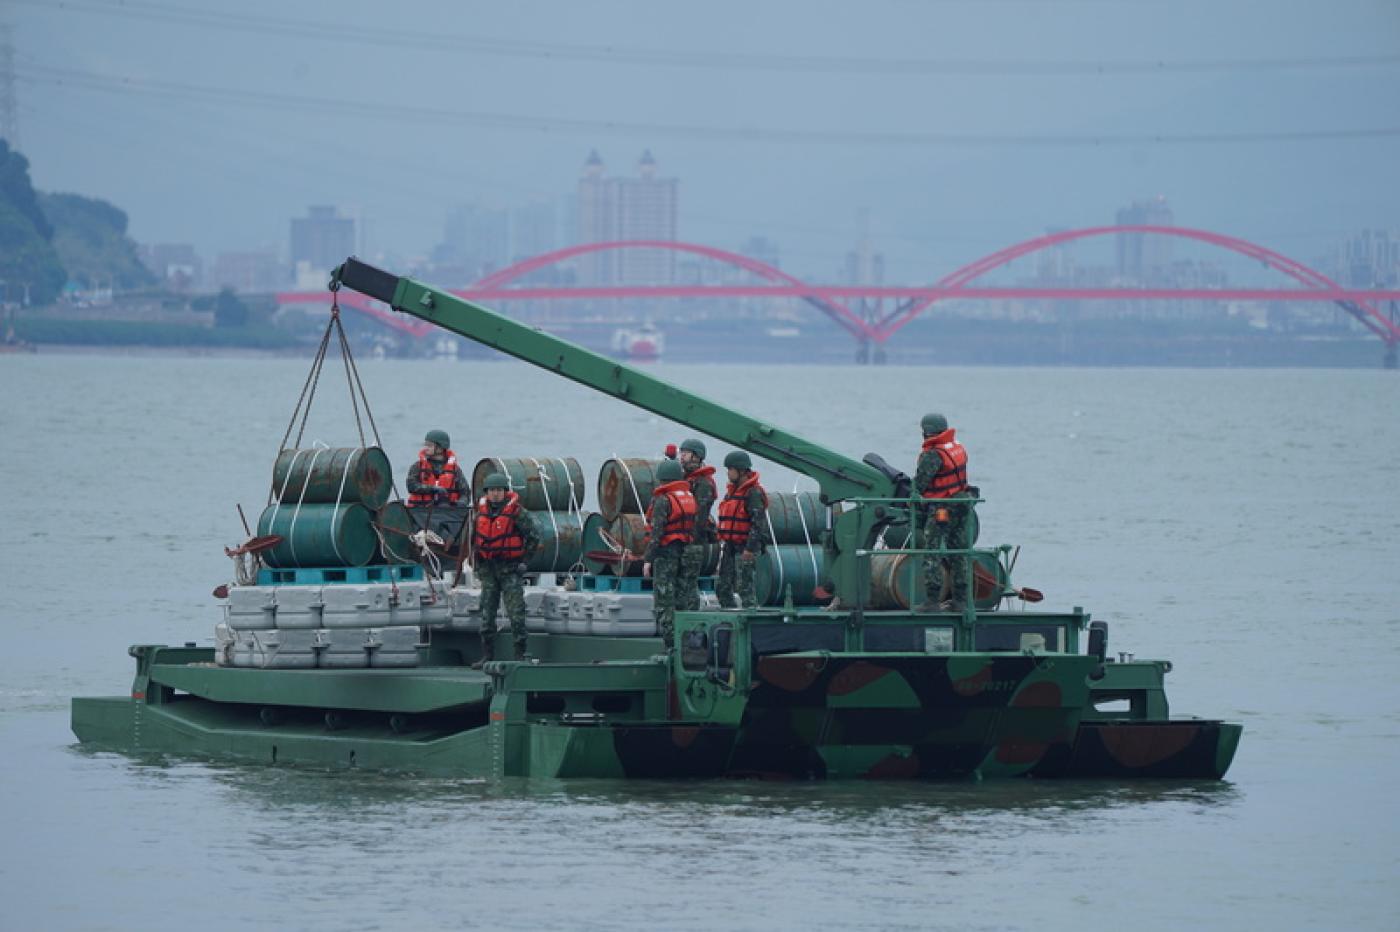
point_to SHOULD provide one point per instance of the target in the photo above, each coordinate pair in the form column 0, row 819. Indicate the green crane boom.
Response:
column 839, row 477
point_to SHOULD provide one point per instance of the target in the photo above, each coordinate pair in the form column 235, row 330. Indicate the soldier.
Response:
column 504, row 539
column 702, row 486
column 741, row 532
column 672, row 518
column 436, row 479
column 941, row 476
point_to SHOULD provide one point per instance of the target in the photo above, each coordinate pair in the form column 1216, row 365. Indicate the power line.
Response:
column 326, row 106
column 381, row 36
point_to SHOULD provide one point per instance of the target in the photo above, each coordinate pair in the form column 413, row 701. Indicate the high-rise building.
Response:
column 1145, row 257
column 1371, row 257
column 322, row 238
column 175, row 264
column 643, row 207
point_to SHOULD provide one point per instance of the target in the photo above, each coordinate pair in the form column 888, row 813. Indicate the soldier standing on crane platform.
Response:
column 941, row 477
column 504, row 538
column 702, row 486
column 742, row 516
column 672, row 519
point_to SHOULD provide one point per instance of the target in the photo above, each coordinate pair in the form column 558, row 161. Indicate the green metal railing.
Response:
column 915, row 509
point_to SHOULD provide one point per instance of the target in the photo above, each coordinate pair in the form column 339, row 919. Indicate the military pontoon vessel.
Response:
column 856, row 687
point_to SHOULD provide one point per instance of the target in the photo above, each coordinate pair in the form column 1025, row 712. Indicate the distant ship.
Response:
column 644, row 344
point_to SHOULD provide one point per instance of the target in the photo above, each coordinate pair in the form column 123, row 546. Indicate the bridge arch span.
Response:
column 1364, row 311
column 838, row 312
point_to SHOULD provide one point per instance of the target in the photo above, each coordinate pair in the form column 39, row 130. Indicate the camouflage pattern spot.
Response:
column 1013, row 752
column 973, row 684
column 856, row 676
column 1041, row 695
column 894, row 767
column 1138, row 747
column 792, row 675
column 683, row 736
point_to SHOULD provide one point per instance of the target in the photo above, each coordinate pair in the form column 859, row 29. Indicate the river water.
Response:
column 1244, row 524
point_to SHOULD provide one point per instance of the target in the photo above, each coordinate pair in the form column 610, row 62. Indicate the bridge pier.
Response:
column 1389, row 361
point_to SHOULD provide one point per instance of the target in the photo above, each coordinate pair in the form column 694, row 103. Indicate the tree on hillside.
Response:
column 90, row 236
column 28, row 261
column 229, row 311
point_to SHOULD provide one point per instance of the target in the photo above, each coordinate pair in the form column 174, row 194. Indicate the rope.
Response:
column 801, row 516
column 777, row 554
column 549, row 509
column 296, row 514
column 636, row 494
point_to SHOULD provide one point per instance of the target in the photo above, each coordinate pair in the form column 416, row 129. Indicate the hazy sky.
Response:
column 961, row 126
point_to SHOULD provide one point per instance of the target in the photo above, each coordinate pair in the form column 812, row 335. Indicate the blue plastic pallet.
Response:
column 629, row 584
column 330, row 575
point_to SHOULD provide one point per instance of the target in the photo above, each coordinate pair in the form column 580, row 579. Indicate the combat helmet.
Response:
column 438, row 437
column 669, row 471
column 694, row 446
column 934, row 423
column 497, row 480
column 738, row 459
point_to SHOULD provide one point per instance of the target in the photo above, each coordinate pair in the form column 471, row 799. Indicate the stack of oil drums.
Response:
column 331, row 508
column 615, row 538
column 551, row 490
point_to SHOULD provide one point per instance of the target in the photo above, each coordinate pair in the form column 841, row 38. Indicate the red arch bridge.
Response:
column 860, row 310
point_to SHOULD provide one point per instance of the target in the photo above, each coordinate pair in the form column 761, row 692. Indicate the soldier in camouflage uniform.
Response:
column 742, row 530
column 672, row 517
column 941, row 477
column 504, row 538
column 702, row 487
column 435, row 477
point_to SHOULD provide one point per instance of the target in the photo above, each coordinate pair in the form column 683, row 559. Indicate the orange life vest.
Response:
column 951, row 478
column 680, row 517
column 496, row 537
column 735, row 522
column 705, row 475
column 446, row 479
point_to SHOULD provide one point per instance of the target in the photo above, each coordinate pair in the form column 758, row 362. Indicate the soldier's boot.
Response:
column 487, row 650
column 522, row 649
column 927, row 606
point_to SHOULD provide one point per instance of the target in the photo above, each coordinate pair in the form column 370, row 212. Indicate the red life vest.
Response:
column 951, row 478
column 702, row 475
column 446, row 479
column 735, row 522
column 680, row 517
column 496, row 537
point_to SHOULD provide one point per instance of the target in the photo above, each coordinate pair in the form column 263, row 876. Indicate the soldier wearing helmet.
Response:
column 742, row 531
column 672, row 519
column 941, row 477
column 702, row 486
column 503, row 539
column 436, row 479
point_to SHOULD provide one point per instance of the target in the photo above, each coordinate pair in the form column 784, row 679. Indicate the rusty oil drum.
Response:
column 326, row 475
column 786, row 565
column 616, row 482
column 561, row 541
column 893, row 585
column 395, row 525
column 796, row 517
column 544, row 483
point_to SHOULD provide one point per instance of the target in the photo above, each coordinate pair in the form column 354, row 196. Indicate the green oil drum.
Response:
column 561, row 541
column 621, row 481
column 595, row 547
column 796, row 517
column 788, row 565
column 545, row 483
column 327, row 475
column 395, row 526
column 897, row 535
column 319, row 535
